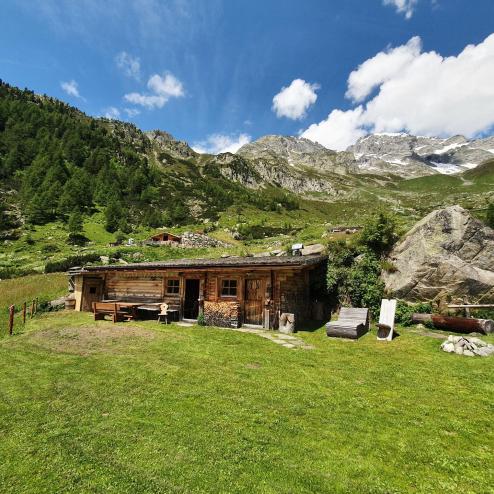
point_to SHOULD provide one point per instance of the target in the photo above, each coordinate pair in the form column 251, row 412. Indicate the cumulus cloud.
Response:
column 221, row 143
column 340, row 130
column 71, row 88
column 294, row 101
column 168, row 85
column 112, row 113
column 162, row 88
column 383, row 67
column 129, row 65
column 405, row 7
column 426, row 95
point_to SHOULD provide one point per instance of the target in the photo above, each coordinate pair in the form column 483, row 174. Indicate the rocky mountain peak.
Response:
column 167, row 143
column 410, row 156
column 298, row 152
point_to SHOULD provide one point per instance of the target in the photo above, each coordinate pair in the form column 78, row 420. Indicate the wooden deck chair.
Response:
column 352, row 323
column 386, row 324
column 163, row 314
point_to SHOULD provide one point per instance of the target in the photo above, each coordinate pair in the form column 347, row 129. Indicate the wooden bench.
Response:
column 112, row 309
column 352, row 323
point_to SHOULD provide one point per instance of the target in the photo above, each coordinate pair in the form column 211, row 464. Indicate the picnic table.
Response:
column 134, row 307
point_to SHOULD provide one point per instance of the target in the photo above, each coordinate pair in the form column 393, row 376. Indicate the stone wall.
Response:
column 223, row 314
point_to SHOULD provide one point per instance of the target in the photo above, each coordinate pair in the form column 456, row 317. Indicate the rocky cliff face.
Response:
column 447, row 254
column 257, row 172
column 165, row 142
column 412, row 156
column 300, row 153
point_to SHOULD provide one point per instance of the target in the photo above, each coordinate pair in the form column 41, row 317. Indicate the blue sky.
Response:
column 207, row 71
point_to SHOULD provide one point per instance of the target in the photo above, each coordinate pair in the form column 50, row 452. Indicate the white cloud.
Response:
column 383, row 67
column 294, row 101
column 149, row 101
column 220, row 143
column 131, row 112
column 405, row 7
column 71, row 88
column 112, row 113
column 162, row 89
column 340, row 130
column 168, row 85
column 130, row 66
column 426, row 95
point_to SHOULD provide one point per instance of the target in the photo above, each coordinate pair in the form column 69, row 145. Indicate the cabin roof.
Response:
column 224, row 262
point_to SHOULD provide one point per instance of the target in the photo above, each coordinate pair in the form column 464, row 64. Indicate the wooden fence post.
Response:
column 24, row 313
column 32, row 309
column 11, row 320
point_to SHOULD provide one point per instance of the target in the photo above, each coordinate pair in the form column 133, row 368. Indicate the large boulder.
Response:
column 448, row 254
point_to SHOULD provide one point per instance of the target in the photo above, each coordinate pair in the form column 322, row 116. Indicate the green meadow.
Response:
column 140, row 407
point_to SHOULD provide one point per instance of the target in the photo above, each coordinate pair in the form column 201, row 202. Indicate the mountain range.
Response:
column 55, row 162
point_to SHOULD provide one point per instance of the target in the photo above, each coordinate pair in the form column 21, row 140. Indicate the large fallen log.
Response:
column 458, row 324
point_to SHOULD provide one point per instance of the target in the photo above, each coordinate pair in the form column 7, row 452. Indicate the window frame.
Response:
column 229, row 288
column 173, row 285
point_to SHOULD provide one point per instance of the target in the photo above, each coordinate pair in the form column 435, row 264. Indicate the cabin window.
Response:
column 173, row 287
column 229, row 288
column 92, row 290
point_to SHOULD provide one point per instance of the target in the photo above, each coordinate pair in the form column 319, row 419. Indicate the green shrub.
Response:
column 490, row 215
column 49, row 248
column 404, row 311
column 69, row 262
column 353, row 277
column 201, row 320
column 379, row 234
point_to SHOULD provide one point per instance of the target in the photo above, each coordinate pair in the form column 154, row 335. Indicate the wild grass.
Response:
column 19, row 290
column 131, row 408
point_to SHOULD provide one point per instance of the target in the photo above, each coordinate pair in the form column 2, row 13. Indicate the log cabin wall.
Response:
column 134, row 286
column 292, row 295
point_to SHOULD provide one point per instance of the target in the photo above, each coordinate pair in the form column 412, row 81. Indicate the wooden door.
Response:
column 254, row 302
column 92, row 292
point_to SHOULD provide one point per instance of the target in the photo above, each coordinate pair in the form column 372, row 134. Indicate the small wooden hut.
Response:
column 163, row 238
column 229, row 292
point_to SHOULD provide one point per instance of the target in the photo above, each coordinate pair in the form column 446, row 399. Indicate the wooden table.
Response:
column 132, row 306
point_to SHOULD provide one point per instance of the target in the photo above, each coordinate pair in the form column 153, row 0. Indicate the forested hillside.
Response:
column 60, row 162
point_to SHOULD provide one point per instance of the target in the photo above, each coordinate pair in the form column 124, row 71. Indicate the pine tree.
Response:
column 75, row 227
column 74, row 224
column 113, row 215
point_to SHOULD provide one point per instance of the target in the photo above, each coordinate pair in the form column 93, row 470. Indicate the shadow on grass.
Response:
column 311, row 326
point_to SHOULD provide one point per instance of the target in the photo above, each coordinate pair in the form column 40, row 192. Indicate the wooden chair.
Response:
column 352, row 323
column 163, row 314
column 386, row 324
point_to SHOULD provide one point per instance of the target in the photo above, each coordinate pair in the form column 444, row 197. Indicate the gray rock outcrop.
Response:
column 448, row 254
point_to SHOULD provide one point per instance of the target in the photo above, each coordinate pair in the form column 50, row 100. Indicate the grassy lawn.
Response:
column 130, row 408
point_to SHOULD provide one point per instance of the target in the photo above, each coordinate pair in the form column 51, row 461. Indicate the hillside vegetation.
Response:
column 71, row 184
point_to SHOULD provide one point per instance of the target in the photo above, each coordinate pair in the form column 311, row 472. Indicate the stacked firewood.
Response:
column 221, row 313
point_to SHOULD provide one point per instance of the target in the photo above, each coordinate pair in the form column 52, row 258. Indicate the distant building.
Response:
column 163, row 238
column 346, row 229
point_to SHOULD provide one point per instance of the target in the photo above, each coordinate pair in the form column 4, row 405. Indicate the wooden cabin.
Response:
column 163, row 238
column 229, row 292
